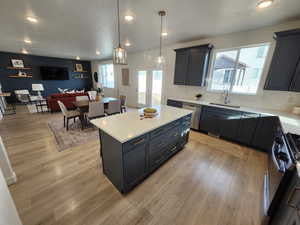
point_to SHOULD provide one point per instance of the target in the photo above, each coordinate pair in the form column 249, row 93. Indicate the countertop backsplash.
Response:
column 274, row 100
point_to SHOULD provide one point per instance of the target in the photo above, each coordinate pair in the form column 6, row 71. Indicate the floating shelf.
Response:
column 17, row 76
column 17, row 68
column 83, row 71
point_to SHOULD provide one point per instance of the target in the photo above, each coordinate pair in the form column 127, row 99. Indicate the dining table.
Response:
column 83, row 107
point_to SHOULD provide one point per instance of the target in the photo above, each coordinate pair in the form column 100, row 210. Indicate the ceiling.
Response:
column 70, row 28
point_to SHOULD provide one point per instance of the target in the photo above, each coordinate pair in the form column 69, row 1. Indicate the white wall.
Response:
column 5, row 165
column 8, row 212
column 264, row 99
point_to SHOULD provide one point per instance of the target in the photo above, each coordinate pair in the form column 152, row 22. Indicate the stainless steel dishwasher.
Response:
column 196, row 114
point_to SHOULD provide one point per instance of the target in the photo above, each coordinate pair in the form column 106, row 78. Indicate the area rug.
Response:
column 74, row 136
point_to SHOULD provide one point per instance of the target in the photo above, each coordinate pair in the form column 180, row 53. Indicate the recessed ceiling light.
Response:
column 164, row 34
column 127, row 44
column 264, row 4
column 32, row 19
column 27, row 41
column 97, row 52
column 24, row 51
column 128, row 18
column 77, row 57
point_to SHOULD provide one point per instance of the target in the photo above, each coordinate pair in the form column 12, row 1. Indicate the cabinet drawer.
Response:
column 136, row 142
column 162, row 130
column 157, row 144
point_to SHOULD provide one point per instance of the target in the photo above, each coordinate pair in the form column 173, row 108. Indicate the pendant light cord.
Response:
column 160, row 42
column 119, row 35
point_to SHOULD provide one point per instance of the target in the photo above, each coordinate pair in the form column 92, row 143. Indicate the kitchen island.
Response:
column 132, row 147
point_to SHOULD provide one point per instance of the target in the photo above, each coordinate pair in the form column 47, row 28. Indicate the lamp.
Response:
column 119, row 54
column 38, row 88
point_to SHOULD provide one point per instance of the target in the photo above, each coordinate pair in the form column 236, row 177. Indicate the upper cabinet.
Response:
column 191, row 66
column 284, row 69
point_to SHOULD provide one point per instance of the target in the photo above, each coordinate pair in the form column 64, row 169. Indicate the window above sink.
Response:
column 238, row 70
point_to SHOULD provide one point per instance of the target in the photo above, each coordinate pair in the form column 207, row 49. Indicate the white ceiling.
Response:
column 68, row 28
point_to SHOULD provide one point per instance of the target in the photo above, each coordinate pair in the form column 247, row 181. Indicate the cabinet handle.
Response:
column 139, row 141
column 289, row 201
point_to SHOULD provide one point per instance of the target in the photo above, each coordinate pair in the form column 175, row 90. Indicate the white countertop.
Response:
column 290, row 122
column 127, row 126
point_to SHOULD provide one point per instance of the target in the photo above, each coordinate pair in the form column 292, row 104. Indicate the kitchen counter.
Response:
column 127, row 126
column 290, row 122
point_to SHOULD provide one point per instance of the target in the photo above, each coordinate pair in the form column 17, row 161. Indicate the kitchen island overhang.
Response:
column 132, row 148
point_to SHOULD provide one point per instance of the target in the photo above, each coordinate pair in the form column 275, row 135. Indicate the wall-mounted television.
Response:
column 54, row 73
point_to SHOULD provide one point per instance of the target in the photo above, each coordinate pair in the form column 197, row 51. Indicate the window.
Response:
column 238, row 70
column 106, row 75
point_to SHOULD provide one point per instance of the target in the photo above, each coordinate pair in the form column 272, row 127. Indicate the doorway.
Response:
column 149, row 89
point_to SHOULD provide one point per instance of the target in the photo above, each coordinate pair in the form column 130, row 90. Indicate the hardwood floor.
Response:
column 210, row 182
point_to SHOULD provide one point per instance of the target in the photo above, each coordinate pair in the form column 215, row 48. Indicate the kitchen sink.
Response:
column 225, row 105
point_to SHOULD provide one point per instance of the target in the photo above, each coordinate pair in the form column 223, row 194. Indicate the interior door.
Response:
column 149, row 89
column 142, row 90
column 156, row 89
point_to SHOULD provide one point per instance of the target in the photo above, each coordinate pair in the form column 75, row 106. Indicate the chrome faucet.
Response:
column 226, row 98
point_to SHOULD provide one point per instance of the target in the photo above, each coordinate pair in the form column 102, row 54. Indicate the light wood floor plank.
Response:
column 210, row 182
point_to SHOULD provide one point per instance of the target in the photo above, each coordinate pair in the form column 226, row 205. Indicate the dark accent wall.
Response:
column 34, row 62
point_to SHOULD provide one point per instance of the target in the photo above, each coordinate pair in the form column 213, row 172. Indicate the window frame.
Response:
column 238, row 49
column 100, row 75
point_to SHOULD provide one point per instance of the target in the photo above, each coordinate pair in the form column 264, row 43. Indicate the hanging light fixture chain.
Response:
column 119, row 35
column 160, row 42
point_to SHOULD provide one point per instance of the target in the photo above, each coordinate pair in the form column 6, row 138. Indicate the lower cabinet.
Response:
column 229, row 124
column 174, row 103
column 127, row 164
column 287, row 212
column 135, row 165
column 265, row 132
column 246, row 128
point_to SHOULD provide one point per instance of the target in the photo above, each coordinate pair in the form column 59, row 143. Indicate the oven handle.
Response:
column 280, row 169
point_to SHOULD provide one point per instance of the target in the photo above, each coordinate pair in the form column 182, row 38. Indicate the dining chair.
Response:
column 113, row 107
column 123, row 103
column 96, row 109
column 92, row 95
column 23, row 96
column 68, row 114
column 82, row 98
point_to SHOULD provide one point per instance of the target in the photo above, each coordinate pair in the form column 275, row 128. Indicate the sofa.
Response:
column 66, row 98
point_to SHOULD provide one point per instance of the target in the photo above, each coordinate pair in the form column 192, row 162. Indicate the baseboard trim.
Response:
column 12, row 179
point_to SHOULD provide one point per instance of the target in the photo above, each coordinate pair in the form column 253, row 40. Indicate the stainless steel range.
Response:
column 281, row 166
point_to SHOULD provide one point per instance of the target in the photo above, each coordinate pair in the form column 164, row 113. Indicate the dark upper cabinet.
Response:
column 282, row 74
column 181, row 66
column 295, row 86
column 191, row 65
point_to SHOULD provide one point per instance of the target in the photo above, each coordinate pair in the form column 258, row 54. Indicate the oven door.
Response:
column 278, row 176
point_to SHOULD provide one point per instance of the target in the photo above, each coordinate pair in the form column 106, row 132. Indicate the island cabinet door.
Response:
column 135, row 163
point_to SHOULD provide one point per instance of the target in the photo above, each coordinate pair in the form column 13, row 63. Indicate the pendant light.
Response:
column 119, row 54
column 160, row 59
